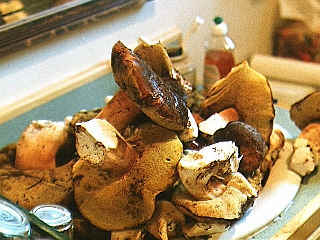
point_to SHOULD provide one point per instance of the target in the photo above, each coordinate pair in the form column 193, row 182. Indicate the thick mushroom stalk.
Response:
column 202, row 172
column 128, row 200
column 39, row 144
column 98, row 142
column 153, row 94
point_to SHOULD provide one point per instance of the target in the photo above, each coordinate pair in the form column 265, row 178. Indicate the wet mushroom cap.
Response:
column 250, row 142
column 155, row 97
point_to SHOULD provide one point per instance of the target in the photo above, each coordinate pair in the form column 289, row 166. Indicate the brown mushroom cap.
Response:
column 306, row 110
column 30, row 188
column 249, row 93
column 250, row 142
column 155, row 97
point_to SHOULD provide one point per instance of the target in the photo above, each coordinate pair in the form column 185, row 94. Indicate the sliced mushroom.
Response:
column 229, row 205
column 166, row 221
column 98, row 142
column 249, row 93
column 202, row 172
column 155, row 97
column 129, row 200
column 250, row 142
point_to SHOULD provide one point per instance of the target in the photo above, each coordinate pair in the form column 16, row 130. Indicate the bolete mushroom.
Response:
column 306, row 115
column 249, row 93
column 39, row 170
column 129, row 200
column 211, row 186
column 155, row 97
column 250, row 142
column 30, row 188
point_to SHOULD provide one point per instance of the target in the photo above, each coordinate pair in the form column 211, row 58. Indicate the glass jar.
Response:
column 14, row 224
column 55, row 216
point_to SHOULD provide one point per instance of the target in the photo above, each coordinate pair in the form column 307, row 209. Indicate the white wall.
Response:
column 25, row 72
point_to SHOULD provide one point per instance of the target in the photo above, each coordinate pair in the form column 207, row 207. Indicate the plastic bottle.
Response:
column 219, row 55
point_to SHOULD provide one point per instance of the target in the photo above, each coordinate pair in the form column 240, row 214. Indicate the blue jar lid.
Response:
column 54, row 215
column 13, row 222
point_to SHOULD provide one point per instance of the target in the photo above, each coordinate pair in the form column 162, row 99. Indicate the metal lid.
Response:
column 54, row 215
column 13, row 222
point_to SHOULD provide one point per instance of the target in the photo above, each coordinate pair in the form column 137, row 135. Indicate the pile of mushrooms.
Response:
column 146, row 164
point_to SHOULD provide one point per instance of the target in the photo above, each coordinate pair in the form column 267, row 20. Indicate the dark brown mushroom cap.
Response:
column 156, row 98
column 306, row 110
column 250, row 143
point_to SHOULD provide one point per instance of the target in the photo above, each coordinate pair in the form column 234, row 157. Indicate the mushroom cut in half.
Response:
column 153, row 94
column 249, row 93
column 203, row 172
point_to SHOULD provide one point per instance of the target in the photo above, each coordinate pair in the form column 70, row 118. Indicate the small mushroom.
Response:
column 249, row 93
column 129, row 200
column 166, row 222
column 202, row 172
column 250, row 142
column 154, row 95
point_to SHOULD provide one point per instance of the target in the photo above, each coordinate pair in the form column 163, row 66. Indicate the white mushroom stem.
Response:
column 302, row 161
column 191, row 132
column 98, row 142
column 202, row 172
column 212, row 124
